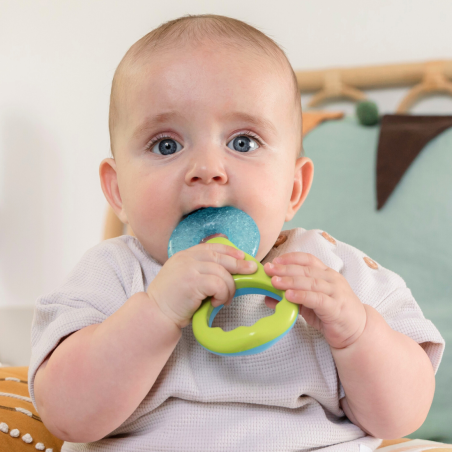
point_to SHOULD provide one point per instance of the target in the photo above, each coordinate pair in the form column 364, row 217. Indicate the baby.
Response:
column 205, row 111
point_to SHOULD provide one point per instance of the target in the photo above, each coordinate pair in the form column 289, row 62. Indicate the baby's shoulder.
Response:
column 122, row 258
column 119, row 265
column 363, row 273
column 123, row 249
column 325, row 246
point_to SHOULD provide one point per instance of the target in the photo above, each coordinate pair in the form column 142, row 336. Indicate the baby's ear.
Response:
column 303, row 175
column 109, row 182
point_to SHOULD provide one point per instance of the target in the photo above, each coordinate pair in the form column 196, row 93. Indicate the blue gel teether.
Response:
column 242, row 233
column 234, row 223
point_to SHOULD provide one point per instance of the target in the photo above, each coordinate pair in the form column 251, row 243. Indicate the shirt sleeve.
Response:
column 403, row 314
column 388, row 293
column 96, row 288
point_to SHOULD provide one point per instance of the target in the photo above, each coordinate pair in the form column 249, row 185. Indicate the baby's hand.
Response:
column 327, row 301
column 191, row 275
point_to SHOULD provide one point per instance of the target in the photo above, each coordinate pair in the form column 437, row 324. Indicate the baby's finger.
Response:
column 232, row 264
column 224, row 249
column 270, row 302
column 217, row 288
column 303, row 283
column 299, row 270
column 212, row 268
column 203, row 250
column 326, row 308
column 300, row 258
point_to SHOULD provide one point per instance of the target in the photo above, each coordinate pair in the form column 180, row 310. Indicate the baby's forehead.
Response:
column 136, row 70
column 277, row 76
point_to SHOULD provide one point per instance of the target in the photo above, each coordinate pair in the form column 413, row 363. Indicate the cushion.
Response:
column 21, row 428
column 410, row 235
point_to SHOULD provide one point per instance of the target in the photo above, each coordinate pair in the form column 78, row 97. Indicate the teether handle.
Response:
column 245, row 339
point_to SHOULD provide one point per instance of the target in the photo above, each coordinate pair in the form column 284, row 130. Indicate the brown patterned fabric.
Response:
column 21, row 428
column 390, row 442
column 413, row 445
column 402, row 137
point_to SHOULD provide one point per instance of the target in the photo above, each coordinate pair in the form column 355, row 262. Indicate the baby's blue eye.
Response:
column 243, row 143
column 166, row 147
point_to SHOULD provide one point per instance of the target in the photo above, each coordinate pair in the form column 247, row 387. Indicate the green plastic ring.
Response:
column 245, row 340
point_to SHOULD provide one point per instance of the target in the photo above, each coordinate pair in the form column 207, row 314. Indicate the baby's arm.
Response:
column 388, row 380
column 95, row 379
column 387, row 377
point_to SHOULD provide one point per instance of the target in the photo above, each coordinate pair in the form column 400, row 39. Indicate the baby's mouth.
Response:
column 187, row 214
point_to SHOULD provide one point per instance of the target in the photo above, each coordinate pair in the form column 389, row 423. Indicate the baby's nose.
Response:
column 206, row 170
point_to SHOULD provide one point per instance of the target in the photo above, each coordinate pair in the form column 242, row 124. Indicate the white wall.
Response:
column 57, row 59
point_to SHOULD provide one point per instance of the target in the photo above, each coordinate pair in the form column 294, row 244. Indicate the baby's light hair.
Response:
column 194, row 29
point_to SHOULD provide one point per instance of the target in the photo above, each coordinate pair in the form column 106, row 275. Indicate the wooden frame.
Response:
column 428, row 77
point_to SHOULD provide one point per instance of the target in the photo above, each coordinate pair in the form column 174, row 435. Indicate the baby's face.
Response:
column 206, row 126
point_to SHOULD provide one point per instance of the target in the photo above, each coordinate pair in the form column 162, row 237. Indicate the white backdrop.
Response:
column 57, row 60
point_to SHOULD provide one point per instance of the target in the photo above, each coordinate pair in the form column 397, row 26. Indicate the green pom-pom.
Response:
column 367, row 112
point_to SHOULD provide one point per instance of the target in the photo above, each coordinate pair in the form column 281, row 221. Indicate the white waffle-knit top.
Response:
column 283, row 399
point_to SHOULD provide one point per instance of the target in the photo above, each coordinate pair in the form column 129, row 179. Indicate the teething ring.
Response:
column 245, row 340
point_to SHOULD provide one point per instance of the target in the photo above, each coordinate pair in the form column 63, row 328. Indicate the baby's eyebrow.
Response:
column 151, row 122
column 161, row 118
column 257, row 121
